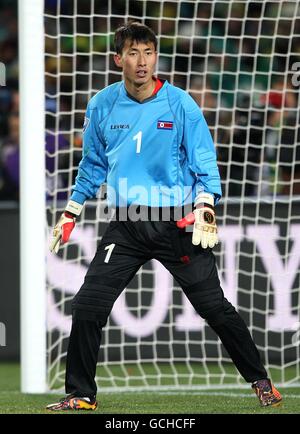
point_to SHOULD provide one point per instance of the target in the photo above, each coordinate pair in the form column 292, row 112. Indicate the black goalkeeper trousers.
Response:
column 124, row 248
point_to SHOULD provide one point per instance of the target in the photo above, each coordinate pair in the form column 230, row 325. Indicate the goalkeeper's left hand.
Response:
column 203, row 217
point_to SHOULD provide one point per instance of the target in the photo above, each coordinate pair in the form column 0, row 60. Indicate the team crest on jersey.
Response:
column 164, row 125
column 85, row 124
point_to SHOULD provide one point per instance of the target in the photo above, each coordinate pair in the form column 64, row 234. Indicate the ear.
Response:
column 118, row 60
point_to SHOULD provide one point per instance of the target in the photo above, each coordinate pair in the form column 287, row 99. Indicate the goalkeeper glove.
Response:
column 65, row 225
column 203, row 217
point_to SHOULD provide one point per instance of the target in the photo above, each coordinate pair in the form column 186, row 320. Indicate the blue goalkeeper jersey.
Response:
column 158, row 152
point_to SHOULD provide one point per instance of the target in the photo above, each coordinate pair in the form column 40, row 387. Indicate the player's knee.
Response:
column 216, row 315
column 209, row 303
column 80, row 312
column 94, row 302
column 220, row 315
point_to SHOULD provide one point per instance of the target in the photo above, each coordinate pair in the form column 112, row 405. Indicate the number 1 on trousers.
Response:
column 109, row 249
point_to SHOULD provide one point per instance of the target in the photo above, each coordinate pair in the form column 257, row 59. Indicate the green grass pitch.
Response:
column 226, row 401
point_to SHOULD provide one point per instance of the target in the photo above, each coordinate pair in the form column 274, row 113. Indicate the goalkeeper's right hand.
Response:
column 65, row 225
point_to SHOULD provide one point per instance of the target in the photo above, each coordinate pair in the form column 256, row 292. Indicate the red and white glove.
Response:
column 65, row 225
column 203, row 217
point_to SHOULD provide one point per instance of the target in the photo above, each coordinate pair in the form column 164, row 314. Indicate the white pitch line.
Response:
column 227, row 394
column 199, row 393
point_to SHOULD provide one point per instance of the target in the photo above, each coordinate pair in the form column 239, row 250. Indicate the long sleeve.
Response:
column 92, row 169
column 200, row 150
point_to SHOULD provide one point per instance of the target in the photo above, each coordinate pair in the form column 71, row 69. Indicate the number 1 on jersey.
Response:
column 109, row 248
column 138, row 138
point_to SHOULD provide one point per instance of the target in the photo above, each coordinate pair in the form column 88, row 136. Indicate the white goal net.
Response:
column 240, row 60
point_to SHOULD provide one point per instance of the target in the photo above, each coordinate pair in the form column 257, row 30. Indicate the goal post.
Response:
column 240, row 61
column 32, row 197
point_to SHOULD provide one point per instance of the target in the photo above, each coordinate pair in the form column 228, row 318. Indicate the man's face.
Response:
column 138, row 62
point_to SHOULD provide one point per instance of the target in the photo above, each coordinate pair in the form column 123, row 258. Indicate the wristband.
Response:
column 74, row 207
column 204, row 199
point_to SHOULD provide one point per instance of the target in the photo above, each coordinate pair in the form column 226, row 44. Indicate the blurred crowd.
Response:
column 9, row 103
column 236, row 58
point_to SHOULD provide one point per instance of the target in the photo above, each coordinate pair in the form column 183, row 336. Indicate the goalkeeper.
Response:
column 149, row 141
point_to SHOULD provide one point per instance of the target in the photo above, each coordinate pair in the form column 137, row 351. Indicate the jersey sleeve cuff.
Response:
column 78, row 197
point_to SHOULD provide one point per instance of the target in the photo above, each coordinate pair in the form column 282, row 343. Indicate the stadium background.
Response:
column 214, row 91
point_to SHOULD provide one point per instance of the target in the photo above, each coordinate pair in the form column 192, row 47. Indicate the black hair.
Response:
column 133, row 31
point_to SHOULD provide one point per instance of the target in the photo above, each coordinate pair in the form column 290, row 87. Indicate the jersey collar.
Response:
column 147, row 99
